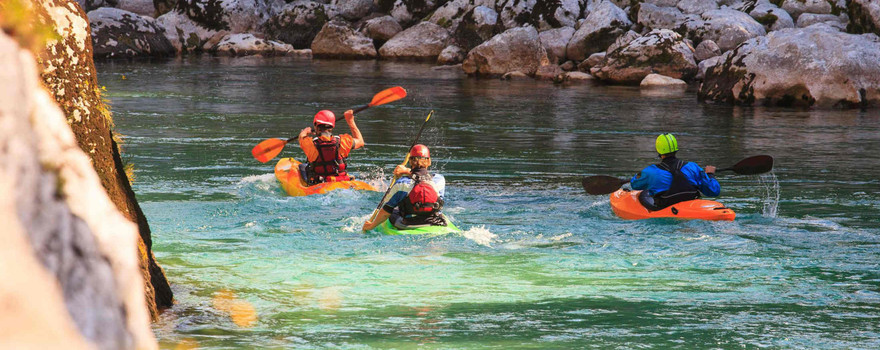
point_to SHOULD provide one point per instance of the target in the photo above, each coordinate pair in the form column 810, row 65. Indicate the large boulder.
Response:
column 353, row 10
column 655, row 17
column 248, row 44
column 298, row 23
column 141, row 7
column 729, row 28
column 658, row 81
column 661, row 51
column 451, row 55
column 555, row 42
column 706, row 50
column 808, row 19
column 475, row 27
column 408, row 12
column 119, row 33
column 517, row 49
column 229, row 15
column 540, row 14
column 814, row 66
column 450, row 14
column 697, row 7
column 340, row 41
column 423, row 41
column 381, row 29
column 186, row 35
column 864, row 16
column 797, row 7
column 771, row 17
column 600, row 29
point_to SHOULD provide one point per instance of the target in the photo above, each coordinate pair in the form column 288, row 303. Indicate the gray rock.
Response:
column 423, row 41
column 141, row 7
column 661, row 51
column 517, row 49
column 555, row 42
column 706, row 50
column 248, row 44
column 543, row 15
column 381, row 29
column 119, row 33
column 186, row 35
column 578, row 77
column 233, row 16
column 622, row 41
column 515, row 75
column 449, row 15
column 814, row 66
column 662, row 3
column 298, row 23
column 600, row 29
column 353, row 10
column 808, row 19
column 729, row 28
column 451, row 55
column 697, row 7
column 592, row 61
column 91, row 5
column 657, row 81
column 864, row 16
column 772, row 17
column 549, row 72
column 475, row 27
column 337, row 40
column 654, row 17
column 797, row 7
column 568, row 66
column 408, row 12
column 706, row 65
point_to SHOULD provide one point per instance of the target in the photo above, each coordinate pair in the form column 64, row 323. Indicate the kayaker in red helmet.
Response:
column 326, row 153
column 416, row 198
column 673, row 180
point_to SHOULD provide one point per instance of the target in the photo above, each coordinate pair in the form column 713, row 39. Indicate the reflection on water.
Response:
column 541, row 264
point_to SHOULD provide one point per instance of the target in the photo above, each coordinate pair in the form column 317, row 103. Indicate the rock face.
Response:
column 661, row 51
column 298, row 23
column 772, row 17
column 340, row 41
column 68, row 72
column 53, row 198
column 864, row 16
column 119, row 33
column 517, row 49
column 814, row 66
column 423, row 41
column 555, row 42
column 599, row 30
column 729, row 28
column 381, row 29
column 248, row 44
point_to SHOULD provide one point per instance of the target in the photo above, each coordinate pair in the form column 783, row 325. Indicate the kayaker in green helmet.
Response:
column 673, row 180
column 416, row 198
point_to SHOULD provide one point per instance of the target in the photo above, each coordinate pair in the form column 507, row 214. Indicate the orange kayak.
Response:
column 287, row 173
column 626, row 205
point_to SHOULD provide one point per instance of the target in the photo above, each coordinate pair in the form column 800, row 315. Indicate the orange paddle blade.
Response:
column 268, row 149
column 388, row 95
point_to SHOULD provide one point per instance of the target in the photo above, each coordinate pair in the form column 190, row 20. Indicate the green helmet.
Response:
column 666, row 143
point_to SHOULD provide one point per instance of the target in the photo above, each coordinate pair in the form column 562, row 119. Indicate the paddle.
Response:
column 268, row 149
column 602, row 184
column 405, row 160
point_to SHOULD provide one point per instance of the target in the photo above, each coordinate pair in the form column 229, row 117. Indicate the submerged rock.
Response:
column 340, row 41
column 119, row 33
column 813, row 66
column 661, row 51
column 517, row 49
column 423, row 41
column 600, row 29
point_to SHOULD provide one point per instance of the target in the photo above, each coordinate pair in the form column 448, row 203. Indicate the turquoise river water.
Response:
column 541, row 264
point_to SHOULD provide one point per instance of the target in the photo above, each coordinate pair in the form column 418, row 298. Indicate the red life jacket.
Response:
column 422, row 200
column 329, row 166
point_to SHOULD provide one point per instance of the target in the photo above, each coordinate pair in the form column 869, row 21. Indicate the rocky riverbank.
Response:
column 65, row 192
column 697, row 42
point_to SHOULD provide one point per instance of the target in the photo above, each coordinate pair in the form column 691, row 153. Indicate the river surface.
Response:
column 541, row 264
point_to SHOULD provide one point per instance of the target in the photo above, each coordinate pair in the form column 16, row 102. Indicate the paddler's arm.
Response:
column 380, row 218
column 355, row 132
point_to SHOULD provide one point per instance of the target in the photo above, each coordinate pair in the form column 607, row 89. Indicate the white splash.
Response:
column 354, row 223
column 480, row 234
column 770, row 194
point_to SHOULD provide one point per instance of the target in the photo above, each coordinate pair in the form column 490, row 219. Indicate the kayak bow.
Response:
column 627, row 206
column 287, row 173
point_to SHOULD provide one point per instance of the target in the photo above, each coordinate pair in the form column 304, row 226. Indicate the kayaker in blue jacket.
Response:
column 673, row 180
column 416, row 198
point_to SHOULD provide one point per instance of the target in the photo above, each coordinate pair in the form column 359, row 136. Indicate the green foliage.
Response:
column 17, row 19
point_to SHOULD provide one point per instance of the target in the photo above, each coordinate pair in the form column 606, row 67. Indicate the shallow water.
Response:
column 541, row 264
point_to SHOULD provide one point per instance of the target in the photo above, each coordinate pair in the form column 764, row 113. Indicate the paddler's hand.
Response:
column 368, row 225
column 401, row 170
column 305, row 132
column 710, row 170
column 349, row 115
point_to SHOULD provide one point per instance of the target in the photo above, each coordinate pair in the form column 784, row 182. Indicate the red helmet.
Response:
column 420, row 151
column 325, row 117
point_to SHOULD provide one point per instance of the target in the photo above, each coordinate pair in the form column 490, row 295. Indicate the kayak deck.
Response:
column 287, row 173
column 388, row 229
column 627, row 206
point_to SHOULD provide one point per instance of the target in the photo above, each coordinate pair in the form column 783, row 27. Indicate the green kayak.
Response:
column 389, row 229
